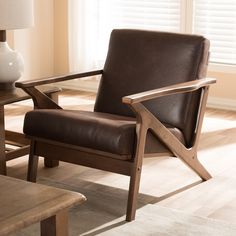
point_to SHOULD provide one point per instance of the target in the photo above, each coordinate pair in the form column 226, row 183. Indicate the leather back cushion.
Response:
column 140, row 60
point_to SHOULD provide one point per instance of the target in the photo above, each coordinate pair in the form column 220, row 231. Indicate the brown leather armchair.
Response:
column 151, row 101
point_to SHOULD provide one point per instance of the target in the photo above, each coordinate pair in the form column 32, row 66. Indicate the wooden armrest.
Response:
column 32, row 83
column 173, row 89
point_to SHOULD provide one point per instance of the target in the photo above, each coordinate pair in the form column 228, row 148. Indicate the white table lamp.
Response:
column 14, row 14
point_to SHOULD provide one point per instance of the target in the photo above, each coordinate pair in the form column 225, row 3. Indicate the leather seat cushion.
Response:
column 100, row 131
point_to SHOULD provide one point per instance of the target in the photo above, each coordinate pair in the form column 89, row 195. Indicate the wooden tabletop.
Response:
column 17, row 94
column 23, row 203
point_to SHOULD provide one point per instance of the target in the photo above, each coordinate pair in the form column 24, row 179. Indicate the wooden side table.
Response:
column 14, row 138
column 23, row 203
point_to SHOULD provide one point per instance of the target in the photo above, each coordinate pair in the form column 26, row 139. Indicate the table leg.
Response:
column 55, row 225
column 3, row 169
column 47, row 162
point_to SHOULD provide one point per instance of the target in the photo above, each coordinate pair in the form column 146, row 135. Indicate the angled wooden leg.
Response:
column 193, row 161
column 56, row 225
column 32, row 164
column 136, row 174
column 197, row 167
column 133, row 194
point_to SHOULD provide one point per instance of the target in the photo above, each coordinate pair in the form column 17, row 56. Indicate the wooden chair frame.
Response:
column 55, row 151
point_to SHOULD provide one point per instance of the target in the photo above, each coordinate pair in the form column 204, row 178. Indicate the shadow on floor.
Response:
column 104, row 204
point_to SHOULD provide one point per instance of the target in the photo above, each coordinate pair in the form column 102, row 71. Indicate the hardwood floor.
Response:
column 215, row 198
column 161, row 177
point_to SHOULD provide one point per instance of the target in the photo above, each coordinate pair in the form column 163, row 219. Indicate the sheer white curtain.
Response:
column 82, row 32
column 91, row 21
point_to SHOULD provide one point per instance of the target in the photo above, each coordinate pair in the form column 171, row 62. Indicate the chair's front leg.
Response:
column 136, row 172
column 32, row 164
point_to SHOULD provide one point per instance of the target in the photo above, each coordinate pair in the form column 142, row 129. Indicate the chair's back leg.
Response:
column 50, row 163
column 32, row 164
column 197, row 167
column 193, row 161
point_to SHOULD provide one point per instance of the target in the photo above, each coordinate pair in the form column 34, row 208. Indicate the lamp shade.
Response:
column 16, row 14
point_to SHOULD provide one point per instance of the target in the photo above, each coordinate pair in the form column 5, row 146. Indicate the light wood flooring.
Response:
column 168, row 179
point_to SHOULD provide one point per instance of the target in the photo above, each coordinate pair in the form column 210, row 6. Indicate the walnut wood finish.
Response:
column 17, row 95
column 3, row 36
column 145, row 120
column 73, row 154
column 43, row 81
column 56, row 225
column 164, row 178
column 136, row 59
column 42, row 101
column 14, row 138
column 28, row 203
column 3, row 169
column 169, row 90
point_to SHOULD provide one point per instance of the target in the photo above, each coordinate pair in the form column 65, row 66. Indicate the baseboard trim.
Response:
column 221, row 103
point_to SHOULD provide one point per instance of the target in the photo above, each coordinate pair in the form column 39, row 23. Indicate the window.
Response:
column 215, row 19
column 138, row 14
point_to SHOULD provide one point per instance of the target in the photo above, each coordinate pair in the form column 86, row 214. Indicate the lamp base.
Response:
column 7, row 86
column 11, row 64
